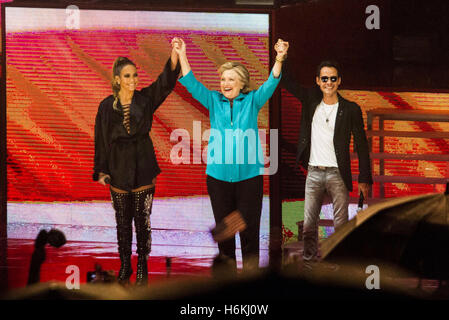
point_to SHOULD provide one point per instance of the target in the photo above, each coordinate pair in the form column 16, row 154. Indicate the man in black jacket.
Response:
column 327, row 123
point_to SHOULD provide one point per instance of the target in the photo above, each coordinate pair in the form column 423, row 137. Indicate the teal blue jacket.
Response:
column 234, row 150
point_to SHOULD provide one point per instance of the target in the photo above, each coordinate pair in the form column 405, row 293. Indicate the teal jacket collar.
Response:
column 240, row 97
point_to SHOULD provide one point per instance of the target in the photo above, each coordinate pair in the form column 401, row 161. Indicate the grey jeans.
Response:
column 319, row 181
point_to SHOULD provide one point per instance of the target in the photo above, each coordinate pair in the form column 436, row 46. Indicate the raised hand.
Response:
column 281, row 48
column 178, row 45
column 174, row 53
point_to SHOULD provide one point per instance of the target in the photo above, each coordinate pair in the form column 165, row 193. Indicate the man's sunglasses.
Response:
column 326, row 78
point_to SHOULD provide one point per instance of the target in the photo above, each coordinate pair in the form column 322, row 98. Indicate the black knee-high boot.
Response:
column 143, row 202
column 123, row 216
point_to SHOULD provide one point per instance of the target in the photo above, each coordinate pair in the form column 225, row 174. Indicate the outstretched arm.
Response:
column 266, row 90
column 290, row 82
column 281, row 48
column 166, row 81
column 174, row 59
column 188, row 80
column 179, row 46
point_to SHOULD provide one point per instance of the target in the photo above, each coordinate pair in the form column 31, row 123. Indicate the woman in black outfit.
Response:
column 125, row 157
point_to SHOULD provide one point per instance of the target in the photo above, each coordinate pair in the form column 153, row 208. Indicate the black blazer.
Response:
column 130, row 159
column 349, row 121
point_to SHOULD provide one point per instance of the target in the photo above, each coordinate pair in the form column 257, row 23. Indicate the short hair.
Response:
column 329, row 64
column 241, row 70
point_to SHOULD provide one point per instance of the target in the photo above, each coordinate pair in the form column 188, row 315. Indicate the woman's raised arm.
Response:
column 188, row 80
column 281, row 48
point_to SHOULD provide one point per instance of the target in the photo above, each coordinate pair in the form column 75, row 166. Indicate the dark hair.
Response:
column 329, row 64
column 119, row 64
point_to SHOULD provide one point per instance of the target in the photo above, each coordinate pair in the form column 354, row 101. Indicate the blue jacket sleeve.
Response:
column 198, row 90
column 266, row 90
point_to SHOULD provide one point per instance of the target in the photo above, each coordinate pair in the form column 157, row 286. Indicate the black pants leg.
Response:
column 222, row 199
column 249, row 195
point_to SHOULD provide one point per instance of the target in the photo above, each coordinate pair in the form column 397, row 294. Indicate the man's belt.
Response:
column 322, row 167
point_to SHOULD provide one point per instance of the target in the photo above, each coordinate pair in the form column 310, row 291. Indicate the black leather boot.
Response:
column 123, row 216
column 142, row 271
column 143, row 202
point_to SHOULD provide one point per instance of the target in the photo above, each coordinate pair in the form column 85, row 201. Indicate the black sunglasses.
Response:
column 326, row 78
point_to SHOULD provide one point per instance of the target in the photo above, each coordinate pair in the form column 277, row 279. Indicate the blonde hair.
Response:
column 117, row 67
column 242, row 72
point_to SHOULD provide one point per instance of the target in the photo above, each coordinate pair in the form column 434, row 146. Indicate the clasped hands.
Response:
column 281, row 48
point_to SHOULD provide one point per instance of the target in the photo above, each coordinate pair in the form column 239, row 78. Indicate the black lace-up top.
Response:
column 126, row 124
column 123, row 147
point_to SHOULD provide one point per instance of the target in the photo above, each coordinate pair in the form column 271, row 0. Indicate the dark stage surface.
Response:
column 59, row 263
column 85, row 255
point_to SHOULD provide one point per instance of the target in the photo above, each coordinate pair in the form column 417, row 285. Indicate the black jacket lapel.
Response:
column 340, row 112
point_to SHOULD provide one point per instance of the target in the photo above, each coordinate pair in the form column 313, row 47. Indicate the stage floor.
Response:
column 193, row 264
column 84, row 255
column 180, row 232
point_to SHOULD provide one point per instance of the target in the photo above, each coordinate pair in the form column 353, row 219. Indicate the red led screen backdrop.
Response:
column 56, row 78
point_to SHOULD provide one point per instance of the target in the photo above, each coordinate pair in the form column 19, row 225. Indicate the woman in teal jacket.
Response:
column 235, row 161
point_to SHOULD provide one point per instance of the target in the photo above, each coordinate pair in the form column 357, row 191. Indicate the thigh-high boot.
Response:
column 123, row 216
column 143, row 202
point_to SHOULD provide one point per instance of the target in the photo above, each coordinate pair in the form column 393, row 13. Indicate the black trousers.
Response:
column 245, row 196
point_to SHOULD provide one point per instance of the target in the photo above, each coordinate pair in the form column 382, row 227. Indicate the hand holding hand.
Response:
column 178, row 45
column 281, row 48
